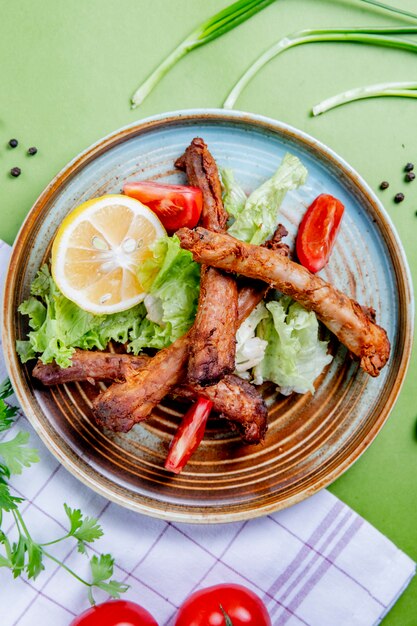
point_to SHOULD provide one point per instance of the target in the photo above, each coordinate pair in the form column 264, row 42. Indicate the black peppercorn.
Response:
column 32, row 150
column 15, row 171
column 13, row 143
column 409, row 167
column 399, row 197
column 384, row 184
column 409, row 177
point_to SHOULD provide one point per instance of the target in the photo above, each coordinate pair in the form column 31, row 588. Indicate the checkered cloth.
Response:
column 317, row 563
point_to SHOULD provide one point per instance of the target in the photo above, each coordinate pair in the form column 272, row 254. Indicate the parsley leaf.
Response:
column 7, row 413
column 4, row 562
column 25, row 555
column 16, row 454
column 102, row 570
column 6, row 389
column 35, row 556
column 7, row 501
column 75, row 517
column 84, row 529
column 18, row 556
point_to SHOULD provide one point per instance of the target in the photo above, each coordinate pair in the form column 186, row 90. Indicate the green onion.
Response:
column 404, row 90
column 221, row 23
column 387, row 7
column 371, row 36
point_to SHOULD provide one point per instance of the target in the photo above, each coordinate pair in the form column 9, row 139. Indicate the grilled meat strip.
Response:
column 233, row 398
column 202, row 172
column 90, row 366
column 236, row 400
column 343, row 316
column 212, row 339
column 212, row 346
column 124, row 404
column 130, row 411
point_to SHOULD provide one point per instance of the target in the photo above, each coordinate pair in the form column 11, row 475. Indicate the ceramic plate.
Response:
column 311, row 439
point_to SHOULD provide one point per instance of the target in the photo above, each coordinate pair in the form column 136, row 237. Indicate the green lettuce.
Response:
column 295, row 355
column 172, row 279
column 234, row 198
column 250, row 349
column 58, row 326
column 258, row 220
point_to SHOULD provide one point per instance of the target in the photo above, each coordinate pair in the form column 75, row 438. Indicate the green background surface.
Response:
column 69, row 68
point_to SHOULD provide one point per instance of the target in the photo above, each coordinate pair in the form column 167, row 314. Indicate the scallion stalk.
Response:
column 365, row 35
column 387, row 7
column 220, row 23
column 404, row 90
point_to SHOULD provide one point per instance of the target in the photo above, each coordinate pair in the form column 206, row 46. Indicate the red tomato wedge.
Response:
column 318, row 230
column 115, row 613
column 188, row 436
column 175, row 205
column 223, row 605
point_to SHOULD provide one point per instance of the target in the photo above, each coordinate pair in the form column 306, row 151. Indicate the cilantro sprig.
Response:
column 25, row 555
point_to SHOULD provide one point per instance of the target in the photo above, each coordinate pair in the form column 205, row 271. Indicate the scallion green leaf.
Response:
column 219, row 24
column 388, row 7
column 364, row 35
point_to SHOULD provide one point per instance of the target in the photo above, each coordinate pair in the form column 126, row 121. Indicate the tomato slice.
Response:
column 115, row 613
column 175, row 205
column 223, row 604
column 318, row 230
column 188, row 436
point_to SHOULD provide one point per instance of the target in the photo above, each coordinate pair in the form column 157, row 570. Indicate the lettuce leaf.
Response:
column 250, row 350
column 234, row 198
column 258, row 220
column 58, row 326
column 295, row 355
column 174, row 288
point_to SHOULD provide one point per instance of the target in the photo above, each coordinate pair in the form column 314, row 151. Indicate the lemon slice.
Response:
column 97, row 250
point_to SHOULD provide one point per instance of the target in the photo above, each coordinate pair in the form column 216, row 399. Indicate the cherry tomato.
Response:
column 317, row 232
column 115, row 613
column 223, row 605
column 188, row 436
column 175, row 205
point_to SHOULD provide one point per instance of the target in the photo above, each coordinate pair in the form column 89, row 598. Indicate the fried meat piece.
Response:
column 342, row 316
column 238, row 401
column 202, row 172
column 89, row 365
column 212, row 345
column 125, row 404
column 212, row 340
column 130, row 411
column 233, row 398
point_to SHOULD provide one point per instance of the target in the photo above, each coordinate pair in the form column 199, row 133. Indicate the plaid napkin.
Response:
column 315, row 564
